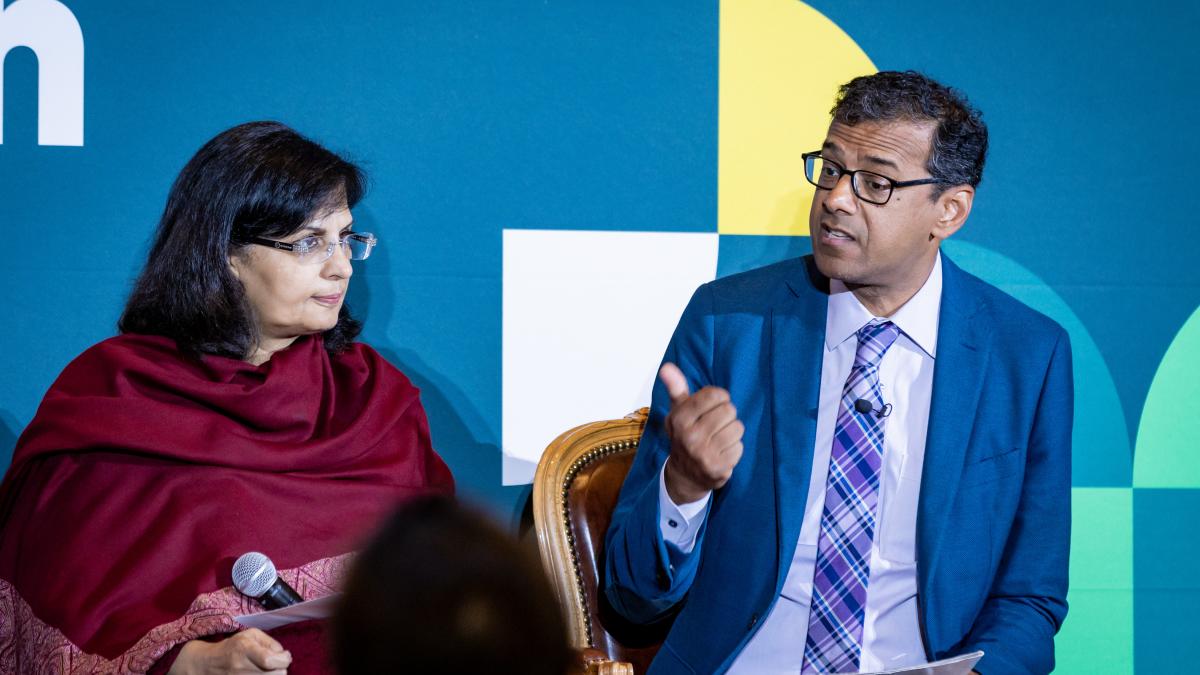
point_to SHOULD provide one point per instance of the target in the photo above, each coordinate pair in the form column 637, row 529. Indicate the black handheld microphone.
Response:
column 254, row 576
column 863, row 406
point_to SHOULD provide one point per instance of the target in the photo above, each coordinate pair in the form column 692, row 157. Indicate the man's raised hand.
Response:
column 706, row 438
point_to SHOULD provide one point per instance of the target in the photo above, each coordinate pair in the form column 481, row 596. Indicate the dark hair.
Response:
column 443, row 590
column 960, row 141
column 259, row 179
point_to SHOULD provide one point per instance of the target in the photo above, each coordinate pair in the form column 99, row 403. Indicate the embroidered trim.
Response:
column 27, row 645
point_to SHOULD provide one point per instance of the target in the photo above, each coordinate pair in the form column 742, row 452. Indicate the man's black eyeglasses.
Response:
column 868, row 186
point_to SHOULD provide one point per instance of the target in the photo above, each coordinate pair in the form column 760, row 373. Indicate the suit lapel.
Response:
column 962, row 358
column 797, row 340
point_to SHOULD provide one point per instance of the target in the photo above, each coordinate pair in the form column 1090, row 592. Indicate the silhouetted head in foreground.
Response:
column 443, row 590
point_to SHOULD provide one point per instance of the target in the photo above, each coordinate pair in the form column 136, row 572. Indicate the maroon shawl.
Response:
column 146, row 472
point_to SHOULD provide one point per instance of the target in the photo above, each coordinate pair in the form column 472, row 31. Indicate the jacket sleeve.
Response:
column 1028, row 599
column 645, row 577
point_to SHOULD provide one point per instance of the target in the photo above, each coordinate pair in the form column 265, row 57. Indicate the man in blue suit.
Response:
column 860, row 459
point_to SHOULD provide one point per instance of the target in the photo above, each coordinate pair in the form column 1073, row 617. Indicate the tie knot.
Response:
column 873, row 341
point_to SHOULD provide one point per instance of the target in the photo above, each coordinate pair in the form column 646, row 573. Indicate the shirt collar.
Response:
column 917, row 318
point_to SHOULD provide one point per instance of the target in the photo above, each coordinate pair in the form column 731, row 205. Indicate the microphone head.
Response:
column 253, row 574
column 863, row 406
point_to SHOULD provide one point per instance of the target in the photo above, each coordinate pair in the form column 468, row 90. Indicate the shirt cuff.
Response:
column 679, row 523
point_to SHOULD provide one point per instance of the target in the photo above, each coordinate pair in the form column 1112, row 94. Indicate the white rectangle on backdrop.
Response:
column 587, row 316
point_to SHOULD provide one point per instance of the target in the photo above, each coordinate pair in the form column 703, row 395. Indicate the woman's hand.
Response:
column 250, row 651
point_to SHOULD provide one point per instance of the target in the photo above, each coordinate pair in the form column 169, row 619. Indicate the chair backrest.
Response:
column 575, row 490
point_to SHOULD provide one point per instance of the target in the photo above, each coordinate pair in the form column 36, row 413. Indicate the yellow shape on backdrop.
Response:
column 781, row 64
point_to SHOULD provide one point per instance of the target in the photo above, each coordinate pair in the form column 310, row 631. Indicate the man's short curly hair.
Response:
column 960, row 141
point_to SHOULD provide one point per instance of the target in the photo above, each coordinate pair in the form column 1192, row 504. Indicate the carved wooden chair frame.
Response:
column 561, row 463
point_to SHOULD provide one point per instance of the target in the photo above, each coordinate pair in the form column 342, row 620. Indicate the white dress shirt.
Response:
column 891, row 632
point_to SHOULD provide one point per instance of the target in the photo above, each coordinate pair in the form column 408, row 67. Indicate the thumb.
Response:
column 266, row 659
column 267, row 654
column 675, row 382
column 269, row 643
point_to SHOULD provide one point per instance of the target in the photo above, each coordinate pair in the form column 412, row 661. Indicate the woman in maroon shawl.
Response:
column 234, row 413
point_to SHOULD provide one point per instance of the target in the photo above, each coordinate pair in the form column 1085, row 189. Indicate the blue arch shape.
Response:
column 1102, row 455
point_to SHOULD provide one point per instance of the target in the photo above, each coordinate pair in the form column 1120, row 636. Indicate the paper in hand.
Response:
column 957, row 665
column 302, row 611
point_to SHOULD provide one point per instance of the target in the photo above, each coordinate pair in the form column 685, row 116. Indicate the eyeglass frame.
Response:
column 854, row 188
column 291, row 248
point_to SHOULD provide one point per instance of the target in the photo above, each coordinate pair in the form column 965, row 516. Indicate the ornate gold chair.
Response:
column 574, row 491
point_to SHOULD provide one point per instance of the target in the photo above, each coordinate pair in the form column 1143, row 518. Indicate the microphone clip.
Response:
column 863, row 406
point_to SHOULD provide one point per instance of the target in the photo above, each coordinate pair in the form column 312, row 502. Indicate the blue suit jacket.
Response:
column 993, row 523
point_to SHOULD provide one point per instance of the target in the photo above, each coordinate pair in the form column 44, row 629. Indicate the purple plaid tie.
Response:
column 839, row 597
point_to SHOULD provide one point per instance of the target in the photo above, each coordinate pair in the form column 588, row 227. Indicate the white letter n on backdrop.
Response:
column 49, row 29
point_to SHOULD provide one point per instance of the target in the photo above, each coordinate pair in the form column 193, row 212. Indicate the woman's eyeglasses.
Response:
column 316, row 249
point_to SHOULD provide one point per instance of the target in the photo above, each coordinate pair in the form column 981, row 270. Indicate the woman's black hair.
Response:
column 259, row 179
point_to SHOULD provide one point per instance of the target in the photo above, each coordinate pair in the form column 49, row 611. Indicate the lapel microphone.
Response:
column 863, row 406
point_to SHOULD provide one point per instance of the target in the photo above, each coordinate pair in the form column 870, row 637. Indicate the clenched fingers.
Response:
column 685, row 415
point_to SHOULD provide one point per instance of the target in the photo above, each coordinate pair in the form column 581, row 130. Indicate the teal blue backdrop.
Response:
column 474, row 117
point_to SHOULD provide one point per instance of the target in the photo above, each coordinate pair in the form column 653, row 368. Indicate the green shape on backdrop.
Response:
column 1166, row 452
column 1097, row 636
column 1101, row 454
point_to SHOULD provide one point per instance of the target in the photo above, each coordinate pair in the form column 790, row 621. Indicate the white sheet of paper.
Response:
column 302, row 611
column 957, row 665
